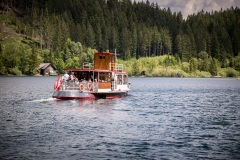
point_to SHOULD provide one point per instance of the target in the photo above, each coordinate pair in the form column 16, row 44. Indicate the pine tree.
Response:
column 213, row 68
column 90, row 36
column 34, row 60
column 215, row 48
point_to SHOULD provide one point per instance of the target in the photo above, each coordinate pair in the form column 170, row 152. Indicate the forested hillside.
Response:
column 68, row 32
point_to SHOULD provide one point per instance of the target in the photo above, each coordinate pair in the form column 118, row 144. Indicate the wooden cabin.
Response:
column 46, row 69
column 104, row 61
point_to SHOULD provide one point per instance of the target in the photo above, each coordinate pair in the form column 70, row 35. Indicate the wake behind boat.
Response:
column 102, row 79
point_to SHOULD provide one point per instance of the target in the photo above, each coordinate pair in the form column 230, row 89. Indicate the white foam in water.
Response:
column 43, row 100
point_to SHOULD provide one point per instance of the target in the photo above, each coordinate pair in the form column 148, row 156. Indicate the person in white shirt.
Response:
column 65, row 76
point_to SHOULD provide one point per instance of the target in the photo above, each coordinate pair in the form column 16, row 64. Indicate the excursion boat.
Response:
column 103, row 79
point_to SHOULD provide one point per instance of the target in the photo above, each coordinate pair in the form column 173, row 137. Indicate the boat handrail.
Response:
column 72, row 85
column 116, row 67
column 87, row 65
column 68, row 85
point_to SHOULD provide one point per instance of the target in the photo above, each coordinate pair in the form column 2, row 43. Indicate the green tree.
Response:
column 134, row 29
column 98, row 33
column 46, row 55
column 193, row 64
column 124, row 43
column 90, row 36
column 152, row 64
column 113, row 39
column 136, row 68
column 183, row 47
column 156, row 41
column 24, row 59
column 133, row 41
column 215, row 47
column 236, row 40
column 203, row 61
column 79, row 33
column 11, row 55
column 166, row 41
column 34, row 63
column 49, row 30
column 186, row 67
column 2, row 65
column 60, row 65
column 236, row 63
column 213, row 68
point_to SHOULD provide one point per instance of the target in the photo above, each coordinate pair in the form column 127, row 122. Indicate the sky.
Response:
column 194, row 6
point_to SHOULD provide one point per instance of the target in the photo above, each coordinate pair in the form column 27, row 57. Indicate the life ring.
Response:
column 81, row 87
column 89, row 86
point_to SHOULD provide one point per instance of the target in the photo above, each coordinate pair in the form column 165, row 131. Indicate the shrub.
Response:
column 185, row 67
column 14, row 71
column 3, row 70
column 168, row 72
column 230, row 72
column 202, row 74
column 182, row 74
column 176, row 73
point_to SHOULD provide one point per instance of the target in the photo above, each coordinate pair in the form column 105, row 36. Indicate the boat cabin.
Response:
column 46, row 69
column 104, row 74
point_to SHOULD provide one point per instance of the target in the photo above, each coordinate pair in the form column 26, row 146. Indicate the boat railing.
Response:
column 87, row 65
column 87, row 86
column 116, row 67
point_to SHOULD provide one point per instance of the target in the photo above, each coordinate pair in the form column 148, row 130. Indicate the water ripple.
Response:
column 162, row 118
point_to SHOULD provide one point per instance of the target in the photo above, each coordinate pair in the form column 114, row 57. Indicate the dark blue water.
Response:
column 162, row 118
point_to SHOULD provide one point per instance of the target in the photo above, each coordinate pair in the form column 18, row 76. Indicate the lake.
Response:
column 161, row 118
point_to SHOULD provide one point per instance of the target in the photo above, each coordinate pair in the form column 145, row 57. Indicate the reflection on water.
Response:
column 162, row 118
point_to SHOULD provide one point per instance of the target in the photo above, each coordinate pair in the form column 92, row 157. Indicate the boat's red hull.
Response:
column 71, row 95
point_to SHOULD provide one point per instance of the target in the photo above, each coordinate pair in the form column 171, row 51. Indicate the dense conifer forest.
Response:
column 148, row 39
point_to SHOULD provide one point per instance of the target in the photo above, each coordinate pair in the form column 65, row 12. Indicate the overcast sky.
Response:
column 193, row 6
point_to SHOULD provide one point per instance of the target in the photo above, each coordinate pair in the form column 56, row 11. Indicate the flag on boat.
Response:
column 58, row 83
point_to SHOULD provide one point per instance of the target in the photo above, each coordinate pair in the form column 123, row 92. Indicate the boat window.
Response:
column 125, row 79
column 101, row 57
column 119, row 79
column 104, row 77
column 84, row 75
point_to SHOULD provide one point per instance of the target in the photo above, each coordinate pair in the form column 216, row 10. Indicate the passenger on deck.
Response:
column 84, row 81
column 65, row 76
column 119, row 80
column 76, row 82
column 72, row 77
column 95, row 85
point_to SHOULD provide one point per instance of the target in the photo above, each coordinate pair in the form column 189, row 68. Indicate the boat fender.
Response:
column 89, row 86
column 81, row 87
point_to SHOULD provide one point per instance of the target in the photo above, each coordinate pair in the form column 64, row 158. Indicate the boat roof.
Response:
column 91, row 70
column 111, row 53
